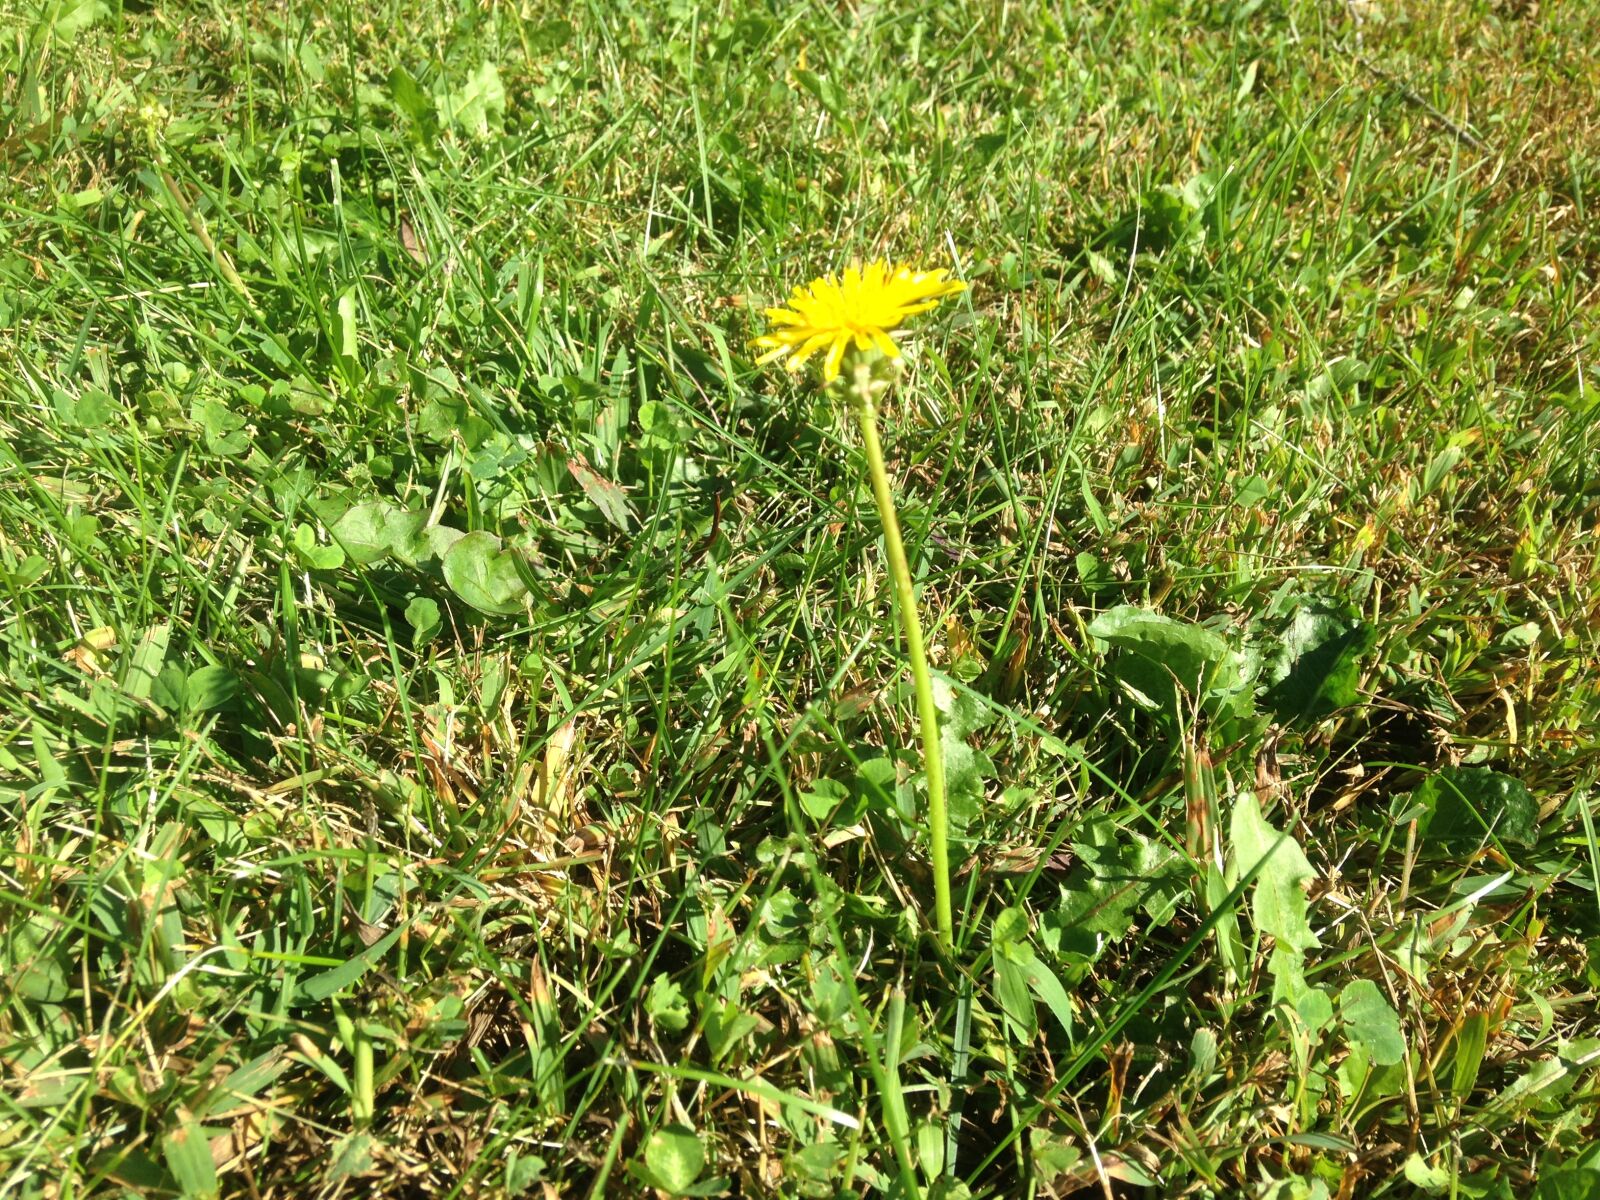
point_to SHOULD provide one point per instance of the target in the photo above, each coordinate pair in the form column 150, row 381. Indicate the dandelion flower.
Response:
column 860, row 309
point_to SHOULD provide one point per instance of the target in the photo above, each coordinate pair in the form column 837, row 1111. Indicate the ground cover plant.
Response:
column 453, row 737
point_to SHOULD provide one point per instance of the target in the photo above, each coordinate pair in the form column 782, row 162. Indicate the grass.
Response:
column 452, row 736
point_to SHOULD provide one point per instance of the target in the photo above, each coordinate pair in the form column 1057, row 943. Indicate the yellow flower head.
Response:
column 859, row 309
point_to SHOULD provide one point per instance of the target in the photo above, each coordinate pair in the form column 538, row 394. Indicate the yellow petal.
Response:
column 830, row 369
column 809, row 347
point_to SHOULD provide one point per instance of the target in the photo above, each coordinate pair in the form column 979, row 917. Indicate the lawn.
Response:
column 456, row 730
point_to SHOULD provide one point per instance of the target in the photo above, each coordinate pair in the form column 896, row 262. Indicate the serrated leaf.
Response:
column 965, row 769
column 484, row 574
column 1278, row 902
column 1118, row 873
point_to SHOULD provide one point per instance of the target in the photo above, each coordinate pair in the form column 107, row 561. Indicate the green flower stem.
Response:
column 900, row 571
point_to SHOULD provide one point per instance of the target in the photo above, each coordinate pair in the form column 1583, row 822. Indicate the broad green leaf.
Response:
column 409, row 98
column 422, row 614
column 33, row 966
column 1278, row 899
column 1317, row 663
column 824, row 796
column 1277, row 903
column 828, row 93
column 930, row 1139
column 223, row 429
column 147, row 661
column 1315, row 1009
column 1048, row 988
column 20, row 575
column 674, row 1157
column 1464, row 805
column 1338, row 378
column 1569, row 1181
column 188, row 1153
column 1117, row 874
column 93, row 408
column 484, row 574
column 1054, row 1155
column 1011, row 989
column 1103, row 269
column 170, row 690
column 666, row 1006
column 471, row 107
column 1021, row 976
column 65, row 20
column 965, row 769
column 373, row 530
column 349, row 342
column 1158, row 655
column 726, row 1026
column 1371, row 1023
column 1471, row 1042
column 211, row 687
column 448, row 417
column 830, row 992
column 351, row 1157
column 523, row 1171
column 605, row 495
column 312, row 553
column 434, row 542
column 1093, row 573
column 1542, row 1083
column 1430, row 1179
